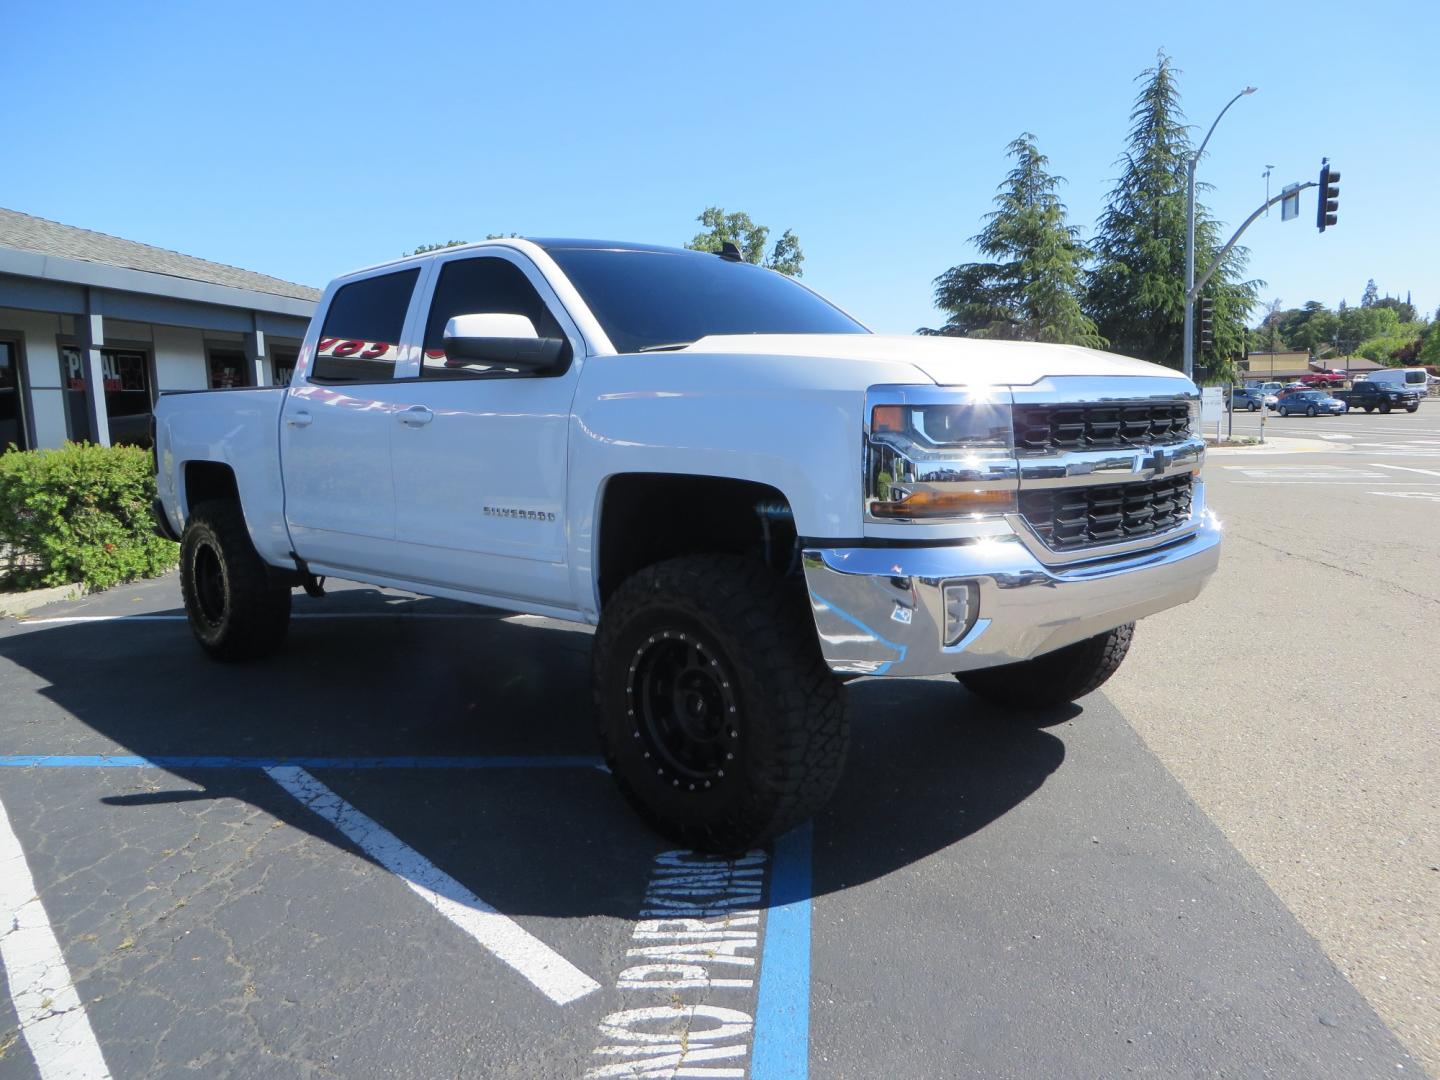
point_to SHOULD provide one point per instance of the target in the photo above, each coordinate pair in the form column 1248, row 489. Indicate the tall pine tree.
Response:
column 1136, row 290
column 1031, row 292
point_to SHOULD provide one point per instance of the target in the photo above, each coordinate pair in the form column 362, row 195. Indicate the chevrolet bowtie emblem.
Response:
column 1158, row 461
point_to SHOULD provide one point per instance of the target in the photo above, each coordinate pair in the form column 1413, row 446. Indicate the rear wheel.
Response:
column 236, row 611
column 1055, row 678
column 1312, row 411
column 717, row 715
column 1284, row 411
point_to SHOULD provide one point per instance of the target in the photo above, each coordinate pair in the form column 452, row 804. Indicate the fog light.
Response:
column 962, row 604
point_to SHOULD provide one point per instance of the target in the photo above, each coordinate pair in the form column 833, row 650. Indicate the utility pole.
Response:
column 1189, row 347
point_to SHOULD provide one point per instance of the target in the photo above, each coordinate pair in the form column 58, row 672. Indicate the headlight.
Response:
column 939, row 453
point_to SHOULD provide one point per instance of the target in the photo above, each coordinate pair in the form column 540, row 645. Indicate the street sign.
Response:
column 1291, row 206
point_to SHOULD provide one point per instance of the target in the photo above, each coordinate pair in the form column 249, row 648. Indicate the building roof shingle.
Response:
column 41, row 236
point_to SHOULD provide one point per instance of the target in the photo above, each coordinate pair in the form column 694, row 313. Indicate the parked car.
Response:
column 748, row 494
column 1412, row 378
column 1323, row 379
column 1372, row 396
column 1311, row 403
column 1247, row 398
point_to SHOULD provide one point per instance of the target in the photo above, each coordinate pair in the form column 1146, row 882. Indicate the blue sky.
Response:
column 303, row 139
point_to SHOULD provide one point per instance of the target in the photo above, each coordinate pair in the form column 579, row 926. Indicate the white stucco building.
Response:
column 81, row 310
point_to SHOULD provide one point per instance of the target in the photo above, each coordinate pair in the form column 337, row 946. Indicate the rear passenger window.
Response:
column 360, row 340
column 484, row 286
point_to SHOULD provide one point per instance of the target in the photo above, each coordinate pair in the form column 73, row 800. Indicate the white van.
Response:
column 1410, row 378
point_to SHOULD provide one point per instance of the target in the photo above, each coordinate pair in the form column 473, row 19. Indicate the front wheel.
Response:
column 1284, row 411
column 1384, row 407
column 1055, row 678
column 1312, row 411
column 236, row 611
column 717, row 715
column 1253, row 406
column 1412, row 408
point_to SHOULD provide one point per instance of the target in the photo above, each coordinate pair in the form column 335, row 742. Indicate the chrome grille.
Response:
column 1069, row 518
column 1048, row 428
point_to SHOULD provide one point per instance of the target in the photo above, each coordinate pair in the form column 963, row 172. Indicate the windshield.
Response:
column 657, row 299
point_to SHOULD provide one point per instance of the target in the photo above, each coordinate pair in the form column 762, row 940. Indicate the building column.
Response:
column 255, row 354
column 90, row 329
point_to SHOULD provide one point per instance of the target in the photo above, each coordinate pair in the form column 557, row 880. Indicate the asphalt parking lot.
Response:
column 390, row 849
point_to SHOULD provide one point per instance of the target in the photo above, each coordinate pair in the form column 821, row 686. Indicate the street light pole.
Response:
column 1189, row 347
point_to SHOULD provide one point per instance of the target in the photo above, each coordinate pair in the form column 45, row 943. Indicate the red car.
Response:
column 1324, row 378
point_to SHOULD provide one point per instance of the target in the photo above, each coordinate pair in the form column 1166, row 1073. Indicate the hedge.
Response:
column 79, row 514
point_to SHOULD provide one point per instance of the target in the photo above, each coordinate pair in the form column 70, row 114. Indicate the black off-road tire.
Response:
column 1412, row 408
column 751, row 737
column 1384, row 407
column 237, row 611
column 1056, row 678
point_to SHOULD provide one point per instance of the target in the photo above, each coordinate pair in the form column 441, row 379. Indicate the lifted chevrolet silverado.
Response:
column 751, row 496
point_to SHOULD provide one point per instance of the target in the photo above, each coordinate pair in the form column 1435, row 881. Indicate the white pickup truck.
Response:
column 751, row 496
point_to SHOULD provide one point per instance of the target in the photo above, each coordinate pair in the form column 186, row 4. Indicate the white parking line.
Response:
column 551, row 973
column 52, row 1017
column 1403, row 468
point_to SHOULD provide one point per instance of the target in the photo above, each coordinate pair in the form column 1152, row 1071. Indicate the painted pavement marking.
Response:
column 547, row 970
column 57, row 620
column 1402, row 468
column 52, row 1017
column 692, row 970
column 1429, row 496
column 201, row 761
column 782, row 1014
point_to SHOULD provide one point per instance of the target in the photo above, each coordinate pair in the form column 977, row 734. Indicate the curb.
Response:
column 15, row 605
column 1279, row 444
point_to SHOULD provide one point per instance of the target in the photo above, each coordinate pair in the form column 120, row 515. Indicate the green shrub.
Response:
column 79, row 513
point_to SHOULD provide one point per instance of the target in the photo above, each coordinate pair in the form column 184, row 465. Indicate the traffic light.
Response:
column 1329, row 197
column 1207, row 323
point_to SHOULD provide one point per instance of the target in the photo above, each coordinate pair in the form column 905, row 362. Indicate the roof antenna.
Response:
column 730, row 251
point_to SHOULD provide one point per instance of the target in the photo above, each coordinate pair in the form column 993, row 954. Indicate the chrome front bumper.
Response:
column 880, row 610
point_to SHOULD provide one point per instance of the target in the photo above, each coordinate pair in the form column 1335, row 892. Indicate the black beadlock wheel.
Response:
column 236, row 611
column 1057, row 677
column 718, row 717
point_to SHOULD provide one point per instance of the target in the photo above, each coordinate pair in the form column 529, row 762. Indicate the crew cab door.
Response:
column 480, row 477
column 337, row 422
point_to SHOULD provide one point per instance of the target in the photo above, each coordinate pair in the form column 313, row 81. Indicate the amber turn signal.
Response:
column 923, row 504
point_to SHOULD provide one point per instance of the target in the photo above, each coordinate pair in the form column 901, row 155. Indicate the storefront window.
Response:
column 227, row 369
column 127, row 394
column 12, row 420
column 283, row 361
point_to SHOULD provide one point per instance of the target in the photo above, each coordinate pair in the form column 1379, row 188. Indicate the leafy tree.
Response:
column 1430, row 347
column 1364, row 325
column 785, row 254
column 1136, row 291
column 424, row 248
column 1269, row 336
column 1403, row 308
column 1371, row 295
column 1032, row 291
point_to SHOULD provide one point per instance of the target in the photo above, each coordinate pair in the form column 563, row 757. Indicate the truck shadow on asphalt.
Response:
column 929, row 764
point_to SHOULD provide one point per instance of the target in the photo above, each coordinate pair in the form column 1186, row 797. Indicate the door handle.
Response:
column 416, row 416
column 300, row 419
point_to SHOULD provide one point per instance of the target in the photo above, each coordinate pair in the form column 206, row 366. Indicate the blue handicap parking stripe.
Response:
column 170, row 761
column 782, row 1014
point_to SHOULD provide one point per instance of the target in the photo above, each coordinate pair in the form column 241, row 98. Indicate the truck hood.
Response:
column 946, row 361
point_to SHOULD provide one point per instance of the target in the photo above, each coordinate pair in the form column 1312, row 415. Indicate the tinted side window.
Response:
column 484, row 286
column 360, row 340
